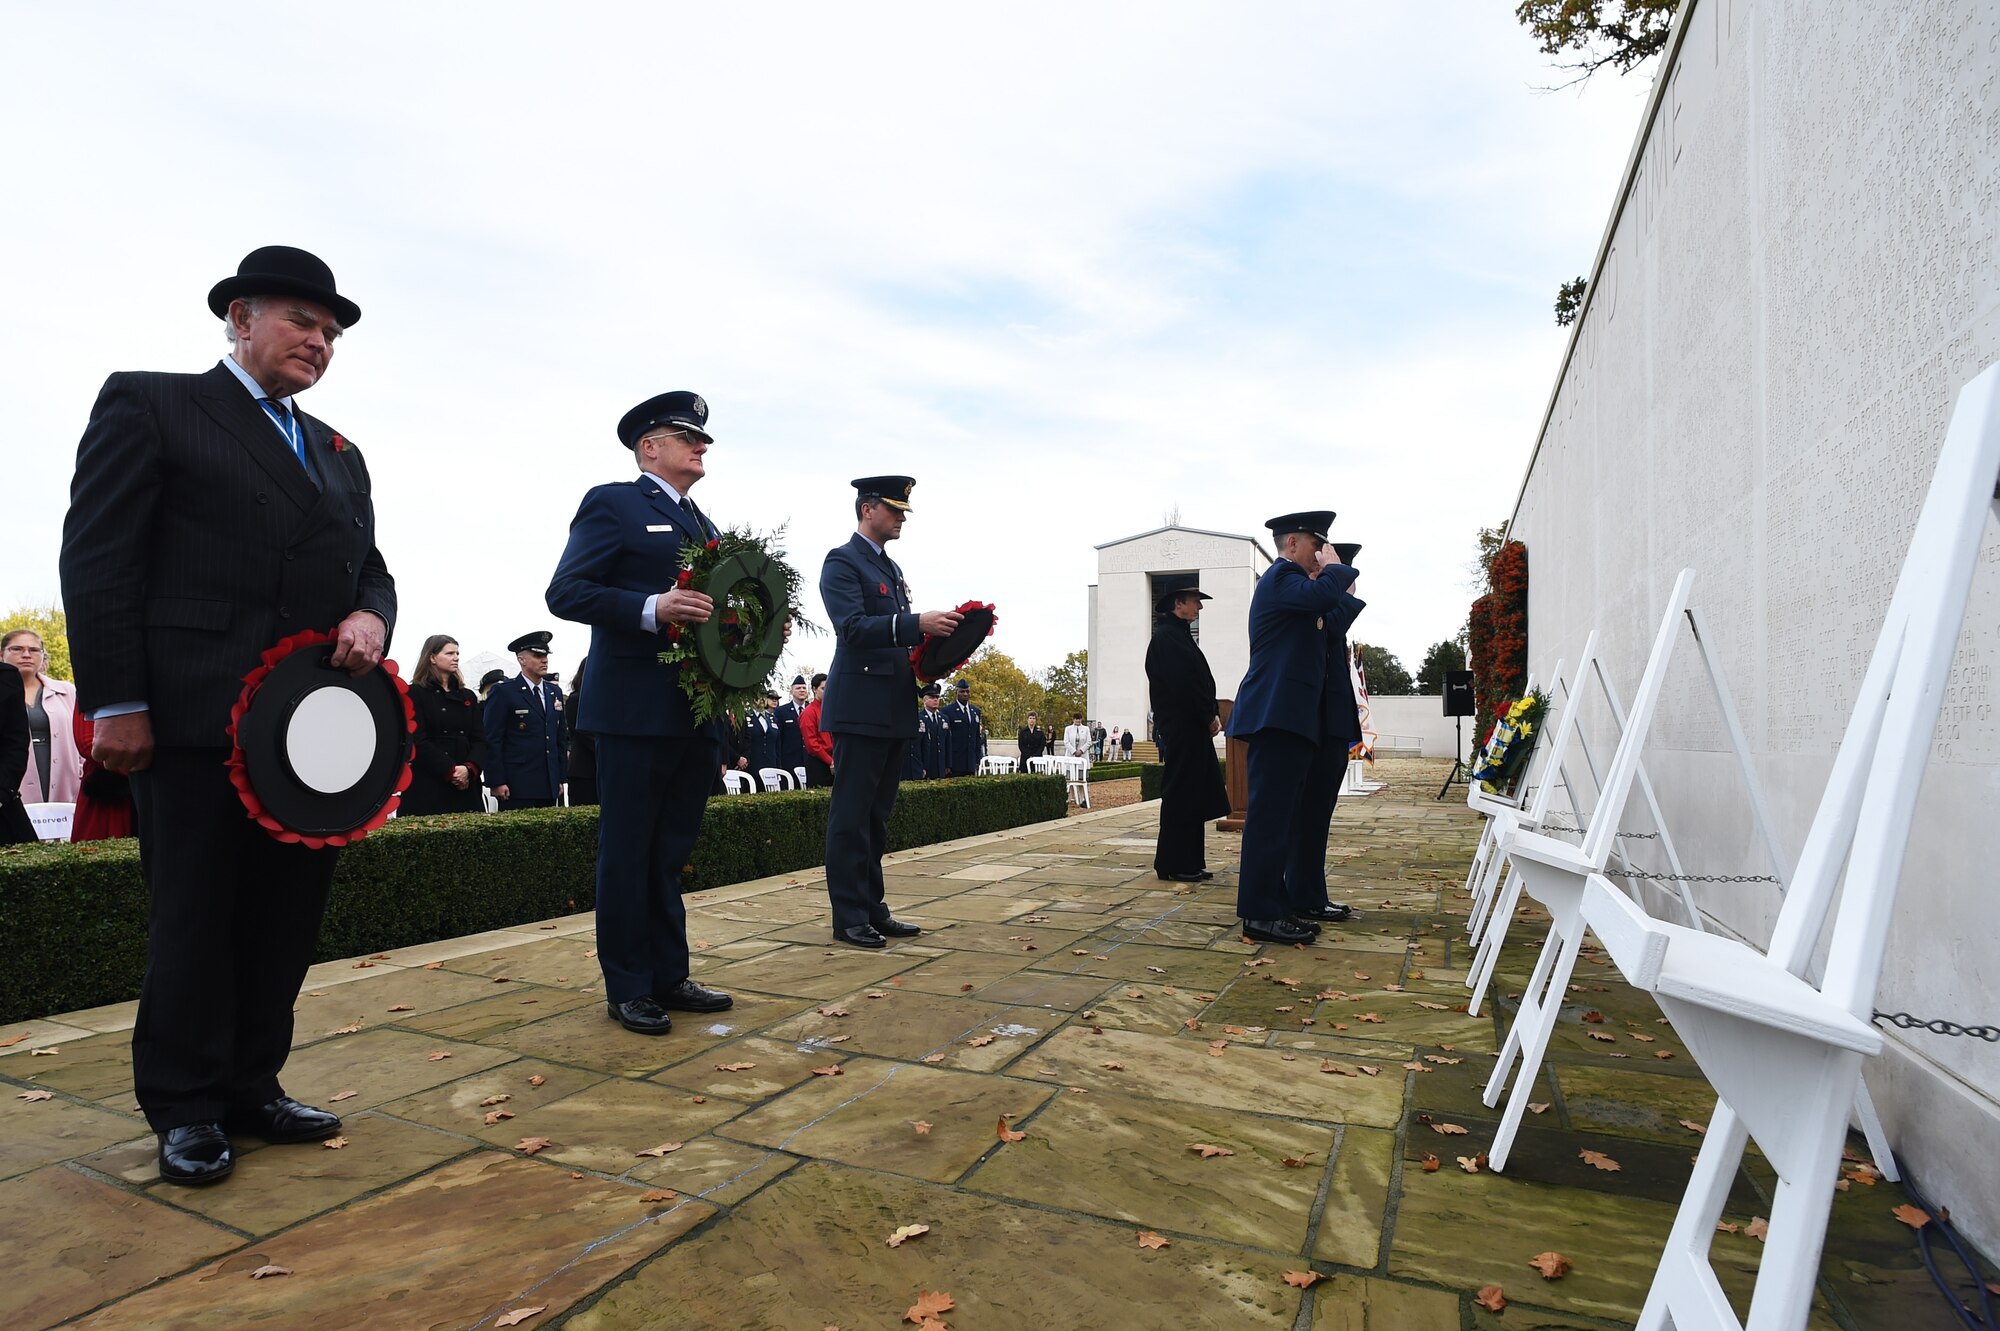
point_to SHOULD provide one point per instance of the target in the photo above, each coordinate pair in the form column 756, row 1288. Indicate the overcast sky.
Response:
column 1070, row 266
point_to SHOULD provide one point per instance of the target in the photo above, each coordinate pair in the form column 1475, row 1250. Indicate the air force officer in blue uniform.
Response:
column 655, row 764
column 1340, row 731
column 870, row 707
column 1280, row 715
column 526, row 760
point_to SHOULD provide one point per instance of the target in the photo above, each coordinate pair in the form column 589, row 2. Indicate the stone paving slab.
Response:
column 746, row 1169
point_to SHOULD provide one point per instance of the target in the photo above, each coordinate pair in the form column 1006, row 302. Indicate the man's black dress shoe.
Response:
column 283, row 1120
column 1279, row 931
column 1195, row 877
column 860, row 935
column 1332, row 913
column 1205, row 875
column 1307, row 921
column 687, row 996
column 641, row 1016
column 197, row 1153
column 891, row 927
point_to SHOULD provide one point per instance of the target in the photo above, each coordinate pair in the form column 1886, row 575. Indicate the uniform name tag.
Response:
column 661, row 526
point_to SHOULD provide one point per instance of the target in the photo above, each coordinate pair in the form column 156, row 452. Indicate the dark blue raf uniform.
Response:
column 655, row 764
column 965, row 735
column 526, row 749
column 760, row 740
column 929, row 746
column 870, row 709
column 1280, row 714
column 791, row 740
column 1340, row 731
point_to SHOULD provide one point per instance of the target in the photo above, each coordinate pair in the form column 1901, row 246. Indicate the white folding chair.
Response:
column 1784, row 1054
column 1003, row 765
column 799, row 778
column 777, row 778
column 737, row 783
column 1553, row 872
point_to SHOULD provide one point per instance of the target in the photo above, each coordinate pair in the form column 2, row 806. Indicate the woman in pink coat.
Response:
column 55, row 769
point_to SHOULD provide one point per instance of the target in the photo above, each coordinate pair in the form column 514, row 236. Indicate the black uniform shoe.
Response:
column 283, row 1120
column 1205, row 875
column 892, row 927
column 860, row 935
column 195, row 1154
column 641, row 1016
column 1279, row 931
column 1331, row 913
column 687, row 996
column 1195, row 877
column 1307, row 922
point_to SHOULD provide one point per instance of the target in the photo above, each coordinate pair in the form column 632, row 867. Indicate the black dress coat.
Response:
column 15, row 825
column 451, row 730
column 1182, row 691
column 1033, row 743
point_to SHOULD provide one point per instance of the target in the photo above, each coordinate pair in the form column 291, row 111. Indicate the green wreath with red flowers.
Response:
column 725, row 662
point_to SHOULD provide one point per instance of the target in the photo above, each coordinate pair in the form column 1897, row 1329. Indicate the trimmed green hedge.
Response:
column 1114, row 771
column 74, row 917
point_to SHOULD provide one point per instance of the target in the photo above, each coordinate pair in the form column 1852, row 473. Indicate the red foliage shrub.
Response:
column 1498, row 634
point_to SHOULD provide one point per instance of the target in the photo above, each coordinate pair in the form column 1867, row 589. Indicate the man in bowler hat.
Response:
column 1182, row 691
column 1279, row 713
column 209, row 518
column 1340, row 731
column 527, row 756
column 870, row 707
column 655, row 763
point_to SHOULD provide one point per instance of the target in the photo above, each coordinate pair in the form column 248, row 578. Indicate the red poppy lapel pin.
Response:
column 339, row 444
column 882, row 587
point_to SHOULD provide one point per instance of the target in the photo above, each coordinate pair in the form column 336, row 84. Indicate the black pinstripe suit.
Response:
column 195, row 540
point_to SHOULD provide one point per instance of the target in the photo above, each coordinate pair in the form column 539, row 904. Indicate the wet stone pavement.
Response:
column 1210, row 1133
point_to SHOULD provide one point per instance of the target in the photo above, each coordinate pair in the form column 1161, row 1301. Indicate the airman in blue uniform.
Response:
column 1340, row 730
column 965, row 735
column 655, row 763
column 1280, row 712
column 791, row 741
column 526, row 752
column 931, row 732
column 870, row 706
column 760, row 732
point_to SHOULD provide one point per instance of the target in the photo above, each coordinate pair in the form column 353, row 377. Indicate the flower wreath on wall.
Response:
column 1498, row 635
column 1515, row 727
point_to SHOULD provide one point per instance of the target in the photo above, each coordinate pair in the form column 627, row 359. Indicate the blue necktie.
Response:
column 281, row 417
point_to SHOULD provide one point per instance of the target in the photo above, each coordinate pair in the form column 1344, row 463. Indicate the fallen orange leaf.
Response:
column 266, row 1271
column 1914, row 1217
column 1758, row 1228
column 660, row 1195
column 830, row 1070
column 1148, row 1239
column 980, row 1041
column 1492, row 1298
column 537, row 1079
column 663, row 1149
column 932, row 1058
column 497, row 1116
column 402, row 1007
column 1007, row 1134
column 1448, row 1129
column 1431, row 1164
column 1303, row 1279
column 437, row 1054
column 929, row 1305
column 1471, row 1163
column 490, row 1100
column 923, row 1128
column 518, row 1316
column 734, row 1067
column 32, row 1096
column 1599, row 1160
column 1207, row 1151
column 1552, row 1265
column 905, row 1233
column 334, row 1143
column 530, row 1145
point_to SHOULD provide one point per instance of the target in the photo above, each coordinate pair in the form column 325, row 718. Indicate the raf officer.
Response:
column 965, row 739
column 760, row 733
column 655, row 762
column 1340, row 725
column 526, row 764
column 870, row 705
column 1279, row 713
column 932, row 732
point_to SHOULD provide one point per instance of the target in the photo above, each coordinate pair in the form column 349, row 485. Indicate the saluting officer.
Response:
column 870, row 705
column 966, row 735
column 526, row 763
column 1279, row 713
column 1340, row 726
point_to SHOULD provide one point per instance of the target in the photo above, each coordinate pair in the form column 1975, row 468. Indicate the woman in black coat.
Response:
column 451, row 735
column 15, row 825
column 1185, row 710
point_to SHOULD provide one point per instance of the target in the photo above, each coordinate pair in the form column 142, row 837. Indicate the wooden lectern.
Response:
column 1235, row 774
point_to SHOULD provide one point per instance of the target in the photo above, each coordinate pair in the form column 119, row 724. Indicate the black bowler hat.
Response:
column 1315, row 524
column 1347, row 550
column 280, row 270
column 681, row 410
column 538, row 641
column 1165, row 603
column 891, row 490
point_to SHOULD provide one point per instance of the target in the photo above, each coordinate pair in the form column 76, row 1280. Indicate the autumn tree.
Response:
column 1442, row 656
column 1569, row 301
column 1003, row 691
column 1385, row 675
column 1065, row 689
column 53, row 626
column 1622, row 34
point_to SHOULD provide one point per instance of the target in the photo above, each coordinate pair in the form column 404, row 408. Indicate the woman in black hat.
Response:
column 451, row 735
column 1182, row 690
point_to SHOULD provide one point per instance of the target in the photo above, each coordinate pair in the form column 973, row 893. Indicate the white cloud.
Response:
column 1067, row 266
